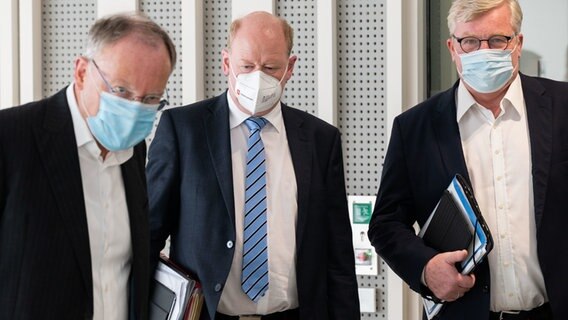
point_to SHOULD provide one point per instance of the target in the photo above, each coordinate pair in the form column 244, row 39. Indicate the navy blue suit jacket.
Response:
column 425, row 152
column 45, row 261
column 191, row 198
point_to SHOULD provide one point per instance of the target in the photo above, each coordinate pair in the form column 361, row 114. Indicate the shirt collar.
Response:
column 513, row 98
column 237, row 117
column 84, row 137
column 82, row 133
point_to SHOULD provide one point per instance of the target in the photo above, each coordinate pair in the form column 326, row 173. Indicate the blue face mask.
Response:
column 120, row 123
column 487, row 70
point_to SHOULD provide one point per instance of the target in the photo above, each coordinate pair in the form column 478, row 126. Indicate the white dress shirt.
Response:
column 498, row 157
column 107, row 220
column 281, row 194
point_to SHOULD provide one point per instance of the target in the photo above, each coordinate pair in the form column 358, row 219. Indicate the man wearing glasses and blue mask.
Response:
column 74, row 237
column 251, row 191
column 507, row 133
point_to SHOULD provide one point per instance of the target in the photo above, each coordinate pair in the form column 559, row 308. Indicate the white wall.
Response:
column 545, row 30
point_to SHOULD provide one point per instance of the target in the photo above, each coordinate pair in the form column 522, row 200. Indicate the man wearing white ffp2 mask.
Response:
column 257, row 91
column 266, row 179
column 258, row 86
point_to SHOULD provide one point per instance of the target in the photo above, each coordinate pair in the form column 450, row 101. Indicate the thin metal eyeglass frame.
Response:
column 161, row 104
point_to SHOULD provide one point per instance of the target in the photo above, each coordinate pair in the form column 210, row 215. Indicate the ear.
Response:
column 520, row 40
column 291, row 63
column 225, row 63
column 451, row 48
column 80, row 73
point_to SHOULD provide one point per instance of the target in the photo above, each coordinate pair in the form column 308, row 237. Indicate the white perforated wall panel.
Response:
column 217, row 19
column 361, row 89
column 65, row 25
column 168, row 15
column 301, row 90
column 361, row 107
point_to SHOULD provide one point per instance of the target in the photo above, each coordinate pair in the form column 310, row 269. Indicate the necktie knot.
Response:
column 255, row 123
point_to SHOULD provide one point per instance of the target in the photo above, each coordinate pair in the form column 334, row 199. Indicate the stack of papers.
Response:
column 195, row 304
column 456, row 223
column 182, row 292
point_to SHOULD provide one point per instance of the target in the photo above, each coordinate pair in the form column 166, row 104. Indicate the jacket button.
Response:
column 218, row 287
column 229, row 244
column 485, row 289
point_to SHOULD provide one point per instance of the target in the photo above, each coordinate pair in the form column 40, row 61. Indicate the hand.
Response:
column 444, row 280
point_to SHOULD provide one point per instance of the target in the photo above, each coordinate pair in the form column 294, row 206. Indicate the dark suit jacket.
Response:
column 45, row 262
column 425, row 152
column 190, row 188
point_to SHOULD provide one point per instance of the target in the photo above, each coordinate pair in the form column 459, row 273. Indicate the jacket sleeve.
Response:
column 342, row 281
column 2, row 184
column 162, row 174
column 391, row 228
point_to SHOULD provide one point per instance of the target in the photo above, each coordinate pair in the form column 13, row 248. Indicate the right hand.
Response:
column 444, row 280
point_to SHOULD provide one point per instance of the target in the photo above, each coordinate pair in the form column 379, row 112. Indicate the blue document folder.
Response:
column 456, row 223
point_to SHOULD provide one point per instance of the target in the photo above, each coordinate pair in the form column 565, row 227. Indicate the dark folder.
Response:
column 162, row 302
column 188, row 302
column 457, row 223
column 448, row 229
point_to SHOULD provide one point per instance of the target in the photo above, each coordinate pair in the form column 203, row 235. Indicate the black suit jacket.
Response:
column 191, row 198
column 45, row 262
column 425, row 152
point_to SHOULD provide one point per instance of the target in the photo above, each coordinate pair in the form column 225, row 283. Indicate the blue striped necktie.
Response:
column 254, row 278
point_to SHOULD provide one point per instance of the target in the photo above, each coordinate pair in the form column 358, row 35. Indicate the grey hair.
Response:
column 467, row 10
column 113, row 28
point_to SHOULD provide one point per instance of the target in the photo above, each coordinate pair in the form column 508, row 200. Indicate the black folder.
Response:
column 449, row 229
column 162, row 302
column 457, row 223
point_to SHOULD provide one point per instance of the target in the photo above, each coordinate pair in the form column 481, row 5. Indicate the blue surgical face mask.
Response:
column 120, row 123
column 487, row 70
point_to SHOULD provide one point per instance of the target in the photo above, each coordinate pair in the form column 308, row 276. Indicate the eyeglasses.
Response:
column 469, row 44
column 124, row 93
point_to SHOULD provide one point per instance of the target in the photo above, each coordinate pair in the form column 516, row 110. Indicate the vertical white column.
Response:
column 414, row 53
column 9, row 50
column 193, row 76
column 393, row 62
column 327, row 60
column 30, row 51
column 394, row 105
column 106, row 7
column 240, row 8
column 413, row 92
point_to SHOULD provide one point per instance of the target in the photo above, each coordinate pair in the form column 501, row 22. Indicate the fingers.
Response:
column 455, row 256
column 465, row 281
column 443, row 279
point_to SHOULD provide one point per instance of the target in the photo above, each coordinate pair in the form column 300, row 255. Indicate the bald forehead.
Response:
column 262, row 23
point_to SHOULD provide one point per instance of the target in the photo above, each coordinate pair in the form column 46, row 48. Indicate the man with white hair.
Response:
column 506, row 133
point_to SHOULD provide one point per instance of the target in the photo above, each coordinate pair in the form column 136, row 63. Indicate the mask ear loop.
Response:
column 82, row 104
column 234, row 76
column 285, row 71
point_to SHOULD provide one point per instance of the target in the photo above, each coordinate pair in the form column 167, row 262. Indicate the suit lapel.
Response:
column 57, row 147
column 217, row 131
column 301, row 151
column 447, row 134
column 135, row 194
column 539, row 118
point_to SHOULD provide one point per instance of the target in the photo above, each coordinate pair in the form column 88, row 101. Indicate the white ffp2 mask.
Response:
column 257, row 91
